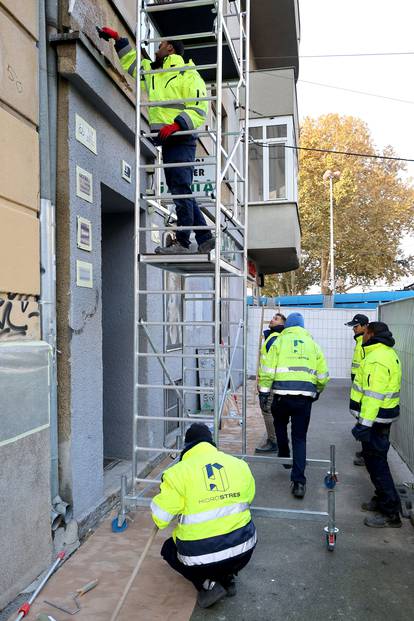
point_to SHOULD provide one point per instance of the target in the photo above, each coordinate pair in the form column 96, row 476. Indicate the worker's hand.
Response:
column 166, row 131
column 107, row 33
column 263, row 399
column 361, row 433
column 316, row 397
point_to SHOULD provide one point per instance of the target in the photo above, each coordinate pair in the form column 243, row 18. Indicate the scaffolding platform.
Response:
column 173, row 20
column 195, row 263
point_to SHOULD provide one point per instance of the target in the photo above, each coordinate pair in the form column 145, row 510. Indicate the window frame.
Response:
column 290, row 157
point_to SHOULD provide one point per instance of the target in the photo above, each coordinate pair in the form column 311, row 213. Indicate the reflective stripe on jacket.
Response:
column 266, row 359
column 357, row 357
column 211, row 492
column 297, row 365
column 177, row 84
column 375, row 392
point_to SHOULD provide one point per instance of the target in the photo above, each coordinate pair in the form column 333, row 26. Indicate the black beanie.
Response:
column 198, row 432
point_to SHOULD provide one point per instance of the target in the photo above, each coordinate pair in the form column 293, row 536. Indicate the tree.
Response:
column 373, row 209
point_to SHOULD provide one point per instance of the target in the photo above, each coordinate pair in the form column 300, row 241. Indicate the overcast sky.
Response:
column 361, row 26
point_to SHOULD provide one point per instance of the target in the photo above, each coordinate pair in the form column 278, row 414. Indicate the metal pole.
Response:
column 229, row 370
column 217, row 279
column 124, row 492
column 246, row 228
column 136, row 245
column 331, row 237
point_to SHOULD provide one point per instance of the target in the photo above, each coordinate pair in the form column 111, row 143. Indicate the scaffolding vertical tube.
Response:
column 246, row 228
column 217, row 280
column 136, row 245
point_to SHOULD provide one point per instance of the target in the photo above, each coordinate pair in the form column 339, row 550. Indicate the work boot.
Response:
column 174, row 248
column 298, row 489
column 207, row 245
column 372, row 505
column 231, row 588
column 359, row 460
column 213, row 593
column 267, row 447
column 383, row 521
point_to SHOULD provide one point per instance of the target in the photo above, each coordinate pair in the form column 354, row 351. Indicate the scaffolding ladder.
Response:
column 216, row 37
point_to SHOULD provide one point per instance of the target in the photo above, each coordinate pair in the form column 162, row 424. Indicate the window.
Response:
column 272, row 166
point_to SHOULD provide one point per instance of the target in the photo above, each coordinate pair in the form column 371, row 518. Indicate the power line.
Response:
column 354, row 55
column 349, row 153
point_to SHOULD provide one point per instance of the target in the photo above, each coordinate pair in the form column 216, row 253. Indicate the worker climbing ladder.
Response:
column 212, row 354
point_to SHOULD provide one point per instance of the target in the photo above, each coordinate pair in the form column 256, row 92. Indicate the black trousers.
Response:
column 222, row 572
column 375, row 456
column 297, row 409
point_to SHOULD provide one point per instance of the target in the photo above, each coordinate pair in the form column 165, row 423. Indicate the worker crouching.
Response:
column 210, row 493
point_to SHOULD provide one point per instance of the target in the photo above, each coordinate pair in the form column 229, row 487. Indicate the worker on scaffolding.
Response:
column 175, row 84
column 296, row 375
column 276, row 325
column 375, row 399
column 210, row 492
column 359, row 325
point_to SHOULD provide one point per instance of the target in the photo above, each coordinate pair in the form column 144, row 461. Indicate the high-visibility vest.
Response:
column 375, row 392
column 172, row 85
column 357, row 357
column 265, row 357
column 297, row 365
column 211, row 493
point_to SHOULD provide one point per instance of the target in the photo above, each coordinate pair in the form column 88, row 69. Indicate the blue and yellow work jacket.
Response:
column 210, row 492
column 296, row 365
column 375, row 392
column 180, row 83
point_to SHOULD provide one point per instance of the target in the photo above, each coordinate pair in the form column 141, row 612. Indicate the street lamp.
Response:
column 329, row 174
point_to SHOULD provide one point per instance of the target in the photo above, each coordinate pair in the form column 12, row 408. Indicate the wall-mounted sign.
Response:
column 84, row 184
column 126, row 171
column 84, row 274
column 86, row 134
column 84, row 234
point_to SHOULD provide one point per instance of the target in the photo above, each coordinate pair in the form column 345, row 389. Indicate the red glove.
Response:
column 166, row 131
column 107, row 33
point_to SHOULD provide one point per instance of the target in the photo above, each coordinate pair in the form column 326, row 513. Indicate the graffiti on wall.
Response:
column 19, row 317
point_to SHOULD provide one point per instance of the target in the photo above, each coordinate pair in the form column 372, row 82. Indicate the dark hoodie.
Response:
column 382, row 336
column 269, row 331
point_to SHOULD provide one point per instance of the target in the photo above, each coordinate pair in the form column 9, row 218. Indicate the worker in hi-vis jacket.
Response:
column 181, row 82
column 210, row 492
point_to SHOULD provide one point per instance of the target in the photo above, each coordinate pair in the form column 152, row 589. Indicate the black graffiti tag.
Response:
column 7, row 324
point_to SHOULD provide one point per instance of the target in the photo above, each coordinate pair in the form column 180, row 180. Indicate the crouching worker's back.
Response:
column 210, row 493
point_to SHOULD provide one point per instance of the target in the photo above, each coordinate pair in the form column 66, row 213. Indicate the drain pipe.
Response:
column 48, row 19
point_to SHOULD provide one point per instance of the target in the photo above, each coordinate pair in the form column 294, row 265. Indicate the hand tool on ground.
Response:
column 25, row 608
column 79, row 592
column 134, row 574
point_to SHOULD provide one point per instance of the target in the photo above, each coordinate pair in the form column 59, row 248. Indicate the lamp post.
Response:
column 329, row 174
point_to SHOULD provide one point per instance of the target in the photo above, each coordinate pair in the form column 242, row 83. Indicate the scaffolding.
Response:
column 216, row 37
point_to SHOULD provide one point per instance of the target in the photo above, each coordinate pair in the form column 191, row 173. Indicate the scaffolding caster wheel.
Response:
column 331, row 539
column 118, row 529
column 330, row 480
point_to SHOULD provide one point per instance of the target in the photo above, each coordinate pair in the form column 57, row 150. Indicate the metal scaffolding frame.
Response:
column 231, row 168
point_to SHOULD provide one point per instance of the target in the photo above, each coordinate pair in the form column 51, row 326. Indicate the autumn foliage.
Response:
column 374, row 208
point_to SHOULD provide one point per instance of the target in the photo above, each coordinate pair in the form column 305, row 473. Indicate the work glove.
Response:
column 166, row 131
column 107, row 33
column 361, row 433
column 263, row 399
column 316, row 397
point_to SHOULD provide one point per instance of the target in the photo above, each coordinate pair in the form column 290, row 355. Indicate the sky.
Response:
column 352, row 27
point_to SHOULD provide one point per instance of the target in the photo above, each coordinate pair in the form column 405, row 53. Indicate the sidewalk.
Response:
column 370, row 575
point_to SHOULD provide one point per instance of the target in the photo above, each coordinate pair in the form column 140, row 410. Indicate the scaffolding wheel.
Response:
column 118, row 529
column 331, row 539
column 330, row 480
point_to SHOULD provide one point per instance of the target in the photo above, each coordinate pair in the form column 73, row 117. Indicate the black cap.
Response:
column 198, row 432
column 358, row 319
column 178, row 47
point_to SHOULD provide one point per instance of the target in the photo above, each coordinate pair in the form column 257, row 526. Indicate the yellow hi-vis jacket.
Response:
column 266, row 356
column 297, row 365
column 357, row 357
column 210, row 492
column 375, row 392
column 182, row 82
